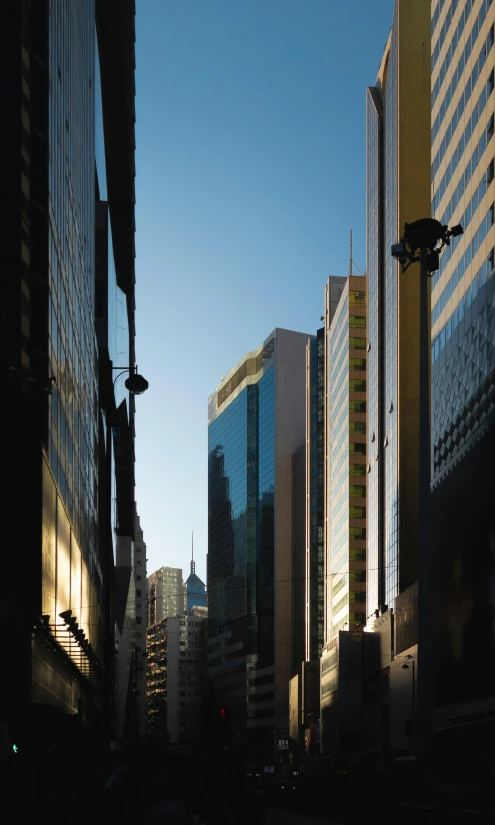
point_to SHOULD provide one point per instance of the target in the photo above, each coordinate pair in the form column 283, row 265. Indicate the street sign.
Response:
column 269, row 769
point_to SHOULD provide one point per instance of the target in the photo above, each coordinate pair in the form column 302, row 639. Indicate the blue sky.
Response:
column 250, row 167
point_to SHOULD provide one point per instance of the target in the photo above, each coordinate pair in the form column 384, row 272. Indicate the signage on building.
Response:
column 283, row 744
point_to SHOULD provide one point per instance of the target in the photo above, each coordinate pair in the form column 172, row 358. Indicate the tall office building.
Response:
column 256, row 421
column 463, row 372
column 61, row 172
column 166, row 594
column 316, row 410
column 345, row 561
column 398, row 185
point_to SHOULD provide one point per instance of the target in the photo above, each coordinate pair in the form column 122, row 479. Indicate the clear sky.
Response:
column 250, row 168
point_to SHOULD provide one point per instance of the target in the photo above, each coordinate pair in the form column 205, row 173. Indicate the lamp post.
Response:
column 423, row 241
column 405, row 666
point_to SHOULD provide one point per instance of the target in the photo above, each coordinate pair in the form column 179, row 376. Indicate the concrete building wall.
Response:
column 290, row 429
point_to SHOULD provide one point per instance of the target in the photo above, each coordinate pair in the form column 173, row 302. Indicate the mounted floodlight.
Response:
column 66, row 615
column 456, row 231
column 424, row 234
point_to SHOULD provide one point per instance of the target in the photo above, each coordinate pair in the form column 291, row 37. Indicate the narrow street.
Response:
column 278, row 816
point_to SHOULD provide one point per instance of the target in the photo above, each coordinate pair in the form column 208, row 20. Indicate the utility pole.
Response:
column 423, row 241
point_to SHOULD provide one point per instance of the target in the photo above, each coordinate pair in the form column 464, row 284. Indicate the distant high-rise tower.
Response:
column 166, row 594
column 195, row 588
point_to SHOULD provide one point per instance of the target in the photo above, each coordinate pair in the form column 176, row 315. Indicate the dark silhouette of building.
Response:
column 67, row 254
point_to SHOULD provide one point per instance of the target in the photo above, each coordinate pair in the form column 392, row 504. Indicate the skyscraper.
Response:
column 316, row 456
column 195, row 588
column 62, row 172
column 345, row 559
column 398, row 183
column 256, row 421
column 166, row 594
column 463, row 374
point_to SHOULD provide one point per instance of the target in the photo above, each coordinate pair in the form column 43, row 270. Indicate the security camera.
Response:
column 398, row 250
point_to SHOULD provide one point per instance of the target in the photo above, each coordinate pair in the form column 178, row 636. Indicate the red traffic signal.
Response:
column 222, row 713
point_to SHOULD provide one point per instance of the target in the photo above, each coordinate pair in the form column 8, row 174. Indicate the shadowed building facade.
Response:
column 70, row 69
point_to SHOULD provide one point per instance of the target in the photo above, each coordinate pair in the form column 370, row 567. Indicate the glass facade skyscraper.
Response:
column 462, row 192
column 256, row 421
column 463, row 370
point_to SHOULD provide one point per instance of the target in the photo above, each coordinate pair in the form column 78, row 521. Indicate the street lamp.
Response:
column 423, row 241
column 136, row 383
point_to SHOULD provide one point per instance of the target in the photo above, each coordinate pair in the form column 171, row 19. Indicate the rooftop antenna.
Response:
column 352, row 262
column 193, row 563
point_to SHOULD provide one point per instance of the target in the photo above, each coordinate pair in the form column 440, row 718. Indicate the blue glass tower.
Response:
column 256, row 421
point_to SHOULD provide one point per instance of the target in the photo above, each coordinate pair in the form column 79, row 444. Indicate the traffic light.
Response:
column 222, row 713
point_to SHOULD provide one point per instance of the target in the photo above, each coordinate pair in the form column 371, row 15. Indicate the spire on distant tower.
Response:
column 193, row 564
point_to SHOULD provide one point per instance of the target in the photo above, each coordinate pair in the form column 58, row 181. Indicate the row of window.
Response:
column 464, row 263
column 465, row 220
column 464, row 140
column 469, row 171
column 337, row 546
column 447, row 61
column 443, row 30
column 464, row 97
column 436, row 15
column 338, row 480
column 467, row 299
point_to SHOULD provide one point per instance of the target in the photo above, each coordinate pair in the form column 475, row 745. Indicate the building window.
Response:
column 138, row 620
column 357, row 491
column 357, row 298
column 138, row 593
column 357, row 363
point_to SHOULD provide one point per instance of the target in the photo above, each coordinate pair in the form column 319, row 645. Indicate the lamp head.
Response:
column 136, row 384
column 424, row 234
